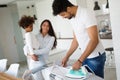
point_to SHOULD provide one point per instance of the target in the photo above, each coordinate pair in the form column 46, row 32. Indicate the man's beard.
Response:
column 71, row 16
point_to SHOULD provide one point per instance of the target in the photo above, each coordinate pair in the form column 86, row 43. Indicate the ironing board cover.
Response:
column 60, row 73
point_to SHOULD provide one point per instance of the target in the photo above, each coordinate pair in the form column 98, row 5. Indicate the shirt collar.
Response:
column 44, row 36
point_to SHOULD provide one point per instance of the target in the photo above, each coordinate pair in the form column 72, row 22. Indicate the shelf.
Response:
column 107, row 14
column 100, row 13
column 65, row 38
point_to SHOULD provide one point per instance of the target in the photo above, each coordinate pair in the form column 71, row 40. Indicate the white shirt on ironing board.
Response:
column 83, row 20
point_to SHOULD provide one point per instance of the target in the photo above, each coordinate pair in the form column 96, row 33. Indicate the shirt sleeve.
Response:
column 25, row 49
column 89, row 18
column 29, row 43
column 47, row 49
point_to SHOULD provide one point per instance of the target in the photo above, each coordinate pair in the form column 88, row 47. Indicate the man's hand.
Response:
column 64, row 61
column 34, row 57
column 76, row 65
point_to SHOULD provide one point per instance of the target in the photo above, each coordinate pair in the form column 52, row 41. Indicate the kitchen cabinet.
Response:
column 102, row 17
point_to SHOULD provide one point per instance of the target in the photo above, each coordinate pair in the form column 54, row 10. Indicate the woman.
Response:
column 47, row 40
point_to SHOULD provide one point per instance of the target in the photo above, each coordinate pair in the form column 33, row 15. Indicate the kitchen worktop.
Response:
column 105, row 35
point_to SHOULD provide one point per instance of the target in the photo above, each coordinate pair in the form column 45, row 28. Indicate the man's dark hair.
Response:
column 25, row 21
column 59, row 6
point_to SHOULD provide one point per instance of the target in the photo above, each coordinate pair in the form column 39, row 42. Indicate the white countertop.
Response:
column 56, row 51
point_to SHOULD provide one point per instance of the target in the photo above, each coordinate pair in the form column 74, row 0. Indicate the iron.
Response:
column 77, row 74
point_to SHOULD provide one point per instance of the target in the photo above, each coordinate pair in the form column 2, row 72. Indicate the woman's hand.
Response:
column 76, row 65
column 34, row 57
column 64, row 61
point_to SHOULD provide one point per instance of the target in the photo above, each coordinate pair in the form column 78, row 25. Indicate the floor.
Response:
column 110, row 72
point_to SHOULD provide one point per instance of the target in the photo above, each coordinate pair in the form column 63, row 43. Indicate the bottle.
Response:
column 96, row 7
column 107, row 6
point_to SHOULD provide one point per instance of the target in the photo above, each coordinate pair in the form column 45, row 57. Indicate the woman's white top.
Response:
column 85, row 19
column 31, row 42
column 46, row 44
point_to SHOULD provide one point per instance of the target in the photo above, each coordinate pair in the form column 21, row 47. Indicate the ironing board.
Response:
column 61, row 73
column 91, row 77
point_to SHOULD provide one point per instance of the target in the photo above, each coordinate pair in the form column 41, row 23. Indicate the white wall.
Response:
column 107, row 43
column 7, row 41
column 23, row 10
column 1, row 49
column 17, row 32
column 82, row 3
column 115, row 23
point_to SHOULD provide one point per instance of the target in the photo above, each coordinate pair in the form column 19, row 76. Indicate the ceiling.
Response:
column 10, row 1
column 6, row 1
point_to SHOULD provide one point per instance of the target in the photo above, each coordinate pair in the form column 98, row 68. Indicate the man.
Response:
column 85, row 36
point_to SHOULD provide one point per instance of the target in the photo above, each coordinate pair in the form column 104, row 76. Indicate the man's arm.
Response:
column 73, row 47
column 93, row 35
column 94, row 40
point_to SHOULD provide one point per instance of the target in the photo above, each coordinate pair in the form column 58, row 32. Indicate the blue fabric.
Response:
column 96, row 64
column 40, row 66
